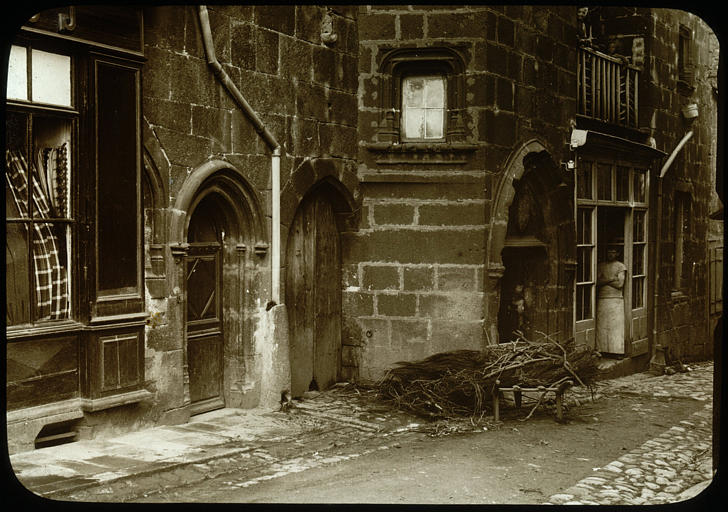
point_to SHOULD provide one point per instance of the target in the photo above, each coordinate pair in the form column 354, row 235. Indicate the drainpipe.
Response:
column 269, row 139
column 657, row 362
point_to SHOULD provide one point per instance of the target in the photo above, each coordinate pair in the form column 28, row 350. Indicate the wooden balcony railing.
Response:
column 607, row 88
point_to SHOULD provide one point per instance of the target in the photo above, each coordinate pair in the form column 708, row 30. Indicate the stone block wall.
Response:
column 301, row 83
column 416, row 281
column 683, row 313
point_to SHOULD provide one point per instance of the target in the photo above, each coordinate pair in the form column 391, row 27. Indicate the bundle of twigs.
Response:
column 461, row 382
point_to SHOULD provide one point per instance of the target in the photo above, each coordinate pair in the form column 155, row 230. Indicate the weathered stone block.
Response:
column 380, row 277
column 266, row 51
column 418, row 278
column 451, row 278
column 506, row 31
column 296, row 59
column 448, row 336
column 324, row 65
column 452, row 306
column 453, row 214
column 411, row 26
column 456, row 24
column 374, row 27
column 393, row 214
column 399, row 304
column 357, row 304
column 409, row 332
column 280, row 18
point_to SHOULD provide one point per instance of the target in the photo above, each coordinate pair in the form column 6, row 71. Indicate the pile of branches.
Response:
column 461, row 382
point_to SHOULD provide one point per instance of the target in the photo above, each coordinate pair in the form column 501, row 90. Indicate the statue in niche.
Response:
column 611, row 275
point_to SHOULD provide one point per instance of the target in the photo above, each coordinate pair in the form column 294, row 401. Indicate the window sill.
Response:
column 421, row 152
column 107, row 402
column 28, row 331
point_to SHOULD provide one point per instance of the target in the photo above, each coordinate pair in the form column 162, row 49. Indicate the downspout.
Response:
column 657, row 362
column 269, row 139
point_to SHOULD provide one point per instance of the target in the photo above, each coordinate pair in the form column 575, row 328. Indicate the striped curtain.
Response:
column 51, row 276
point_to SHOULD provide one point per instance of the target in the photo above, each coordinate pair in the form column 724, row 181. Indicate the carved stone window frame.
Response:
column 396, row 64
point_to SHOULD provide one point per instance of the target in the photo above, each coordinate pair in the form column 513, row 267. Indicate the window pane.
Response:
column 604, row 181
column 583, row 302
column 201, row 289
column 434, row 124
column 584, row 181
column 50, row 262
column 17, row 284
column 640, row 182
column 117, row 207
column 18, row 73
column 435, row 92
column 584, row 226
column 584, row 264
column 638, row 259
column 51, row 78
column 413, row 92
column 52, row 163
column 638, row 226
column 638, row 292
column 622, row 184
column 414, row 123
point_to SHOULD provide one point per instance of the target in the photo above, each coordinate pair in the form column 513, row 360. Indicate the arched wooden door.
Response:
column 203, row 269
column 313, row 295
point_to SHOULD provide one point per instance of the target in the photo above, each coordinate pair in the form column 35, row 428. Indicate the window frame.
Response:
column 443, row 109
column 403, row 62
column 30, row 111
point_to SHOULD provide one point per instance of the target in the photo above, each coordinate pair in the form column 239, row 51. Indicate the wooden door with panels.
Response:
column 204, row 326
column 313, row 295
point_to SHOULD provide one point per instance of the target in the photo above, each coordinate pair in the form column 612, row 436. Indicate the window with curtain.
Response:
column 423, row 107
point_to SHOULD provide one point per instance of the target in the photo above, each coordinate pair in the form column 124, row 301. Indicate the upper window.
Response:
column 684, row 55
column 423, row 107
column 49, row 80
column 422, row 96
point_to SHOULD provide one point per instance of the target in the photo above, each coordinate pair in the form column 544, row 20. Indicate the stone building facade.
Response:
column 317, row 192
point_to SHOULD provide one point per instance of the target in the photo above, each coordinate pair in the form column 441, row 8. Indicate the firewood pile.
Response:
column 461, row 382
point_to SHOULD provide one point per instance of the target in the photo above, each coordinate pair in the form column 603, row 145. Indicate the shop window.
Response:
column 39, row 177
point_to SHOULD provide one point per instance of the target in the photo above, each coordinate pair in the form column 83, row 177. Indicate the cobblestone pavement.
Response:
column 673, row 467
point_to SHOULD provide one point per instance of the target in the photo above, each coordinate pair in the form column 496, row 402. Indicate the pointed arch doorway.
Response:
column 203, row 324
column 313, row 294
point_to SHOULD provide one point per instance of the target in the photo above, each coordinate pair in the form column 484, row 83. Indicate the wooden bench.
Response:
column 558, row 389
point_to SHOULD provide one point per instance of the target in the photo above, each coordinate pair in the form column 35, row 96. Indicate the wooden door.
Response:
column 313, row 296
column 203, row 267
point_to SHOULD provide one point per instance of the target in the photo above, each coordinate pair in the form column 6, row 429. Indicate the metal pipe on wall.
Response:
column 268, row 137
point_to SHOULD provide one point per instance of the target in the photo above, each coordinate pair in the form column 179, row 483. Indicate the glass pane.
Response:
column 584, row 264
column 435, row 92
column 17, row 284
column 638, row 292
column 434, row 124
column 16, row 166
column 638, row 226
column 51, row 78
column 584, row 181
column 604, row 181
column 52, row 166
column 413, row 92
column 18, row 73
column 638, row 259
column 583, row 302
column 118, row 210
column 622, row 184
column 640, row 184
column 414, row 123
column 50, row 271
column 584, row 226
